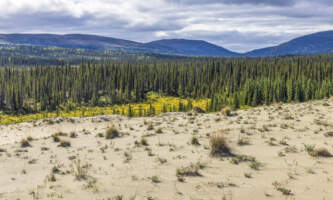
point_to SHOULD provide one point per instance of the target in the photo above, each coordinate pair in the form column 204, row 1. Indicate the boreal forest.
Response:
column 28, row 86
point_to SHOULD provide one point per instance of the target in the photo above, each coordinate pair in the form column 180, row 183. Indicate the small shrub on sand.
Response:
column 52, row 178
column 198, row 110
column 242, row 141
column 55, row 137
column 309, row 147
column 256, row 165
column 192, row 170
column 219, row 145
column 25, row 143
column 64, row 143
column 73, row 135
column 161, row 160
column 247, row 175
column 144, row 141
column 279, row 187
column 329, row 134
column 226, row 111
column 159, row 131
column 80, row 170
column 195, row 141
column 155, row 179
column 320, row 152
column 242, row 158
column 112, row 133
column 150, row 127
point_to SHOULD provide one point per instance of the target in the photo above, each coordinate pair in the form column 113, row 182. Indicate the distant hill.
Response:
column 93, row 42
column 90, row 42
column 316, row 43
column 192, row 47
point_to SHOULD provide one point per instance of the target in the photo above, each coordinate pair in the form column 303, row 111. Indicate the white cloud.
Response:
column 160, row 34
column 237, row 24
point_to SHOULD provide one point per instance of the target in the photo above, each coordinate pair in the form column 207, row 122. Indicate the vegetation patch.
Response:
column 192, row 170
column 112, row 133
column 320, row 152
column 219, row 145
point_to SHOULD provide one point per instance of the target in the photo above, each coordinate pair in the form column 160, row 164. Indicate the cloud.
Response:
column 240, row 25
column 237, row 2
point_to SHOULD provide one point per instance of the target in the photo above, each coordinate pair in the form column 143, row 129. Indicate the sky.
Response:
column 239, row 25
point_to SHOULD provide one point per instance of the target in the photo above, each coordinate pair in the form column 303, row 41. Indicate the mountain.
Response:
column 90, row 42
column 94, row 42
column 192, row 47
column 316, row 43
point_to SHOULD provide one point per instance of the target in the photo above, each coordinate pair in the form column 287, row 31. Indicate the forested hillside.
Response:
column 37, row 55
column 95, row 42
column 236, row 82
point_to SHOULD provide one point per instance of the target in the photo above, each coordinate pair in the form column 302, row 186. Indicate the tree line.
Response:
column 227, row 81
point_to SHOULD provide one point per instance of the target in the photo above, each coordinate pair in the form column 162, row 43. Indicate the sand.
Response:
column 94, row 167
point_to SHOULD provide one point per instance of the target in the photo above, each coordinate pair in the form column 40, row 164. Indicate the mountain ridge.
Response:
column 315, row 43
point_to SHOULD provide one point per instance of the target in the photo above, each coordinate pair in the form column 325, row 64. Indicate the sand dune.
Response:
column 276, row 155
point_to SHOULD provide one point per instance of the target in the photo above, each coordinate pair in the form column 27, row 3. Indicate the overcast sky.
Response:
column 239, row 25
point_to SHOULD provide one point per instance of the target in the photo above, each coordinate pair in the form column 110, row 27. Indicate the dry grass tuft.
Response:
column 219, row 145
column 195, row 141
column 192, row 170
column 25, row 143
column 320, row 152
column 112, row 133
column 226, row 111
column 64, row 144
column 73, row 135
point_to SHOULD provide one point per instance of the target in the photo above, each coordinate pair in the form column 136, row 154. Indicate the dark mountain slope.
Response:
column 91, row 42
column 192, row 47
column 316, row 43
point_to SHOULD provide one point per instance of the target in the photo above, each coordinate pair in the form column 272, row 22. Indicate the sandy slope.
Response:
column 120, row 168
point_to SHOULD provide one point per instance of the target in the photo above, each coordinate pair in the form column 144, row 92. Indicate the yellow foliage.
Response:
column 157, row 102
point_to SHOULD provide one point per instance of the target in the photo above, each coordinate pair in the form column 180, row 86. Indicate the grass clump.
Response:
column 162, row 160
column 155, row 179
column 195, row 141
column 226, row 111
column 192, row 170
column 150, row 127
column 256, row 165
column 242, row 141
column 329, row 134
column 25, row 143
column 309, row 147
column 320, row 152
column 73, row 135
column 219, row 145
column 80, row 171
column 159, row 131
column 247, row 175
column 242, row 158
column 112, row 133
column 144, row 141
column 291, row 149
column 64, row 144
column 55, row 137
column 285, row 191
